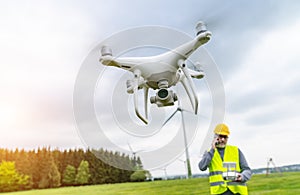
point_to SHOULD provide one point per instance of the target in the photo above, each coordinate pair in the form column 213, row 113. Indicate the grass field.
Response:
column 275, row 184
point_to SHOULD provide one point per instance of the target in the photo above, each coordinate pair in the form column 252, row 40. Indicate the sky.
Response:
column 44, row 45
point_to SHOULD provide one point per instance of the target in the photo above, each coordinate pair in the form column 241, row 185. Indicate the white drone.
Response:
column 160, row 72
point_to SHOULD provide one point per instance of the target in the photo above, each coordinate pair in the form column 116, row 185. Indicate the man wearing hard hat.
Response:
column 228, row 168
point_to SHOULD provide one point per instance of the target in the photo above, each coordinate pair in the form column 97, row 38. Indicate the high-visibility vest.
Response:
column 217, row 183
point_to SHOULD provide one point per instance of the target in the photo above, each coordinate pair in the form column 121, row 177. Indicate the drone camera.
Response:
column 164, row 97
column 163, row 93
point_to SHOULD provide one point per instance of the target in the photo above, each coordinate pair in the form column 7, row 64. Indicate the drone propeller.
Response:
column 216, row 18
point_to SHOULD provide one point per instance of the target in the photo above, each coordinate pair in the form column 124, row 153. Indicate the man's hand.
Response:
column 213, row 144
column 239, row 178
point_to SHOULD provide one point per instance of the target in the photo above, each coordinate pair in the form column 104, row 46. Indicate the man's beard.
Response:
column 221, row 145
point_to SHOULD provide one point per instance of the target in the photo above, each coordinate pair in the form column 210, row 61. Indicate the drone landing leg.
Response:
column 185, row 85
column 188, row 80
column 146, row 90
column 135, row 97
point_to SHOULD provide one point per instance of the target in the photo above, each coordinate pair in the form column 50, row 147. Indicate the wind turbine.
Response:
column 271, row 161
column 134, row 154
column 184, row 162
column 165, row 172
column 188, row 164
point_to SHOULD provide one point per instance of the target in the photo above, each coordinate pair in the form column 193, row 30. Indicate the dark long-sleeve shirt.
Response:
column 208, row 155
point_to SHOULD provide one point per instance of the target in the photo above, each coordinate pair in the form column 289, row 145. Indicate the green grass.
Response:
column 274, row 184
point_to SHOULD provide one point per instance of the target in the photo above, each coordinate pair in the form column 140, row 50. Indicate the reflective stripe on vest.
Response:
column 217, row 183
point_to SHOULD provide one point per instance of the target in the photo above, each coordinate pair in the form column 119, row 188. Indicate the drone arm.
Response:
column 196, row 74
column 187, row 80
column 203, row 37
column 108, row 60
column 188, row 48
column 124, row 62
column 127, row 63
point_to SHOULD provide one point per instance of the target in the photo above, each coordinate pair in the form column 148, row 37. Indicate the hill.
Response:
column 287, row 168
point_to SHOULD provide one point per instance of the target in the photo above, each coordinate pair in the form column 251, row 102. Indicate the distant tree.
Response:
column 69, row 175
column 49, row 176
column 138, row 164
column 94, row 165
column 54, row 175
column 46, row 168
column 83, row 173
column 23, row 163
column 10, row 179
column 138, row 175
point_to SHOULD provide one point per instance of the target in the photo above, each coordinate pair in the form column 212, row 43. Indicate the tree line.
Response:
column 46, row 168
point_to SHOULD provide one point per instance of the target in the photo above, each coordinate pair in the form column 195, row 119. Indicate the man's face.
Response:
column 222, row 141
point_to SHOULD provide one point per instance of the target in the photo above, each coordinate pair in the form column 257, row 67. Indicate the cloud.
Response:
column 39, row 64
column 255, row 44
column 267, row 78
column 242, row 26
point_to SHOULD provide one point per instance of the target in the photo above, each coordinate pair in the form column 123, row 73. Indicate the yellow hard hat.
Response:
column 221, row 129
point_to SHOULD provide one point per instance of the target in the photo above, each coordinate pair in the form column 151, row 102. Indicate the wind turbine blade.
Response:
column 169, row 118
column 130, row 148
column 188, row 111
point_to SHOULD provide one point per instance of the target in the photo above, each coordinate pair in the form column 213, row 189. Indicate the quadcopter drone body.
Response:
column 161, row 72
